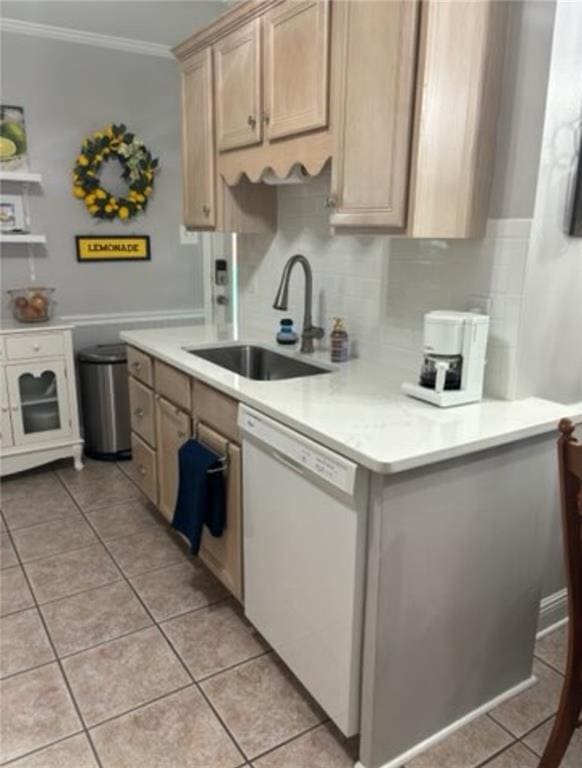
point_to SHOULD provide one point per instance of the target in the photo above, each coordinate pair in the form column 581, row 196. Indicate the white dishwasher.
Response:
column 305, row 511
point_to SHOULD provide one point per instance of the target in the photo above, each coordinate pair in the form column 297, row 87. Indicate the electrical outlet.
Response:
column 187, row 237
column 478, row 302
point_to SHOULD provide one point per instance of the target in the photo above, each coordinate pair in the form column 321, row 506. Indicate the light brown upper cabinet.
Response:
column 376, row 65
column 296, row 70
column 401, row 95
column 239, row 106
column 198, row 141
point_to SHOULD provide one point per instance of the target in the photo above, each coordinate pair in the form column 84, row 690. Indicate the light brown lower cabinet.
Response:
column 160, row 425
column 142, row 467
column 173, row 428
column 223, row 555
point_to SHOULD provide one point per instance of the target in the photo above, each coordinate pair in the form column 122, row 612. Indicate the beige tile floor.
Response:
column 117, row 650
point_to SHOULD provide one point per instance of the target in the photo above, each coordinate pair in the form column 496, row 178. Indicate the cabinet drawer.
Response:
column 141, row 403
column 215, row 409
column 173, row 385
column 143, row 467
column 24, row 346
column 140, row 365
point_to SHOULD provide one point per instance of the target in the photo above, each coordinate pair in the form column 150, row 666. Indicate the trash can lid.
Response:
column 103, row 353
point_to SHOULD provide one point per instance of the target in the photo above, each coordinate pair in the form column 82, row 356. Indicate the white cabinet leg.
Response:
column 78, row 457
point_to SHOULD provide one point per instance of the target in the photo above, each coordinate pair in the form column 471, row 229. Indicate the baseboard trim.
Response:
column 553, row 612
column 118, row 318
column 405, row 757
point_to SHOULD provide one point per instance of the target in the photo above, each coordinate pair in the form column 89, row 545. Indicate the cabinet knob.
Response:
column 15, row 408
column 266, row 118
column 138, row 412
column 182, row 435
column 252, row 121
column 206, row 210
column 5, row 409
column 36, row 347
column 136, row 366
column 142, row 470
column 330, row 201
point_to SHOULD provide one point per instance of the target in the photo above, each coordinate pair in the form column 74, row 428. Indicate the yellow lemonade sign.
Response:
column 111, row 248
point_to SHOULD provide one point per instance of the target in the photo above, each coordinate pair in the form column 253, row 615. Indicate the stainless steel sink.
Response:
column 258, row 362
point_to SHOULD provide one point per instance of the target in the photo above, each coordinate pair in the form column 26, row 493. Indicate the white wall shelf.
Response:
column 21, row 176
column 9, row 238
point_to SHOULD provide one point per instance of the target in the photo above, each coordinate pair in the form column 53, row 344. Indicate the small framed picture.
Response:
column 12, row 218
column 13, row 142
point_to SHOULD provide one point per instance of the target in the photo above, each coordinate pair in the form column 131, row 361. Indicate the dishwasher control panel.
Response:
column 297, row 451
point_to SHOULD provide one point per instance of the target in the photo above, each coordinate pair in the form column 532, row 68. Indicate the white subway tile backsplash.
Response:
column 382, row 286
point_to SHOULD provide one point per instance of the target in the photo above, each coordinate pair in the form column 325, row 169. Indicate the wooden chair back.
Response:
column 568, row 717
column 570, row 464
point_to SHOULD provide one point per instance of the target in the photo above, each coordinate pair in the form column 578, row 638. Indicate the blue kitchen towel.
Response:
column 201, row 497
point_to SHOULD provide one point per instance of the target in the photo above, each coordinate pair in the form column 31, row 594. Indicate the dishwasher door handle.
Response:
column 289, row 463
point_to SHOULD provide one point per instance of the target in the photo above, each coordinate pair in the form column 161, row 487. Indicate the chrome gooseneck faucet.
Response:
column 310, row 331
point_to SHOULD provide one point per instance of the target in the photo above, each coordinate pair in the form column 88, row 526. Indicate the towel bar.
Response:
column 224, row 466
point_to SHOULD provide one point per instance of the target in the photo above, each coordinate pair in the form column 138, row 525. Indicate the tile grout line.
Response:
column 497, row 754
column 290, row 740
column 237, row 664
column 162, row 633
column 57, row 659
column 551, row 666
column 194, row 683
column 40, row 749
column 177, row 655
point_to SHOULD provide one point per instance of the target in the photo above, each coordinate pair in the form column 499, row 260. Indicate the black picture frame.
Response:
column 576, row 223
column 80, row 239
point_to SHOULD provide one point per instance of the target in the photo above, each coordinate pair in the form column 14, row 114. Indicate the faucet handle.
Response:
column 314, row 332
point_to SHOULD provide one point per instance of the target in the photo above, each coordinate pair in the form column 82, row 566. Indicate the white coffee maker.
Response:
column 453, row 367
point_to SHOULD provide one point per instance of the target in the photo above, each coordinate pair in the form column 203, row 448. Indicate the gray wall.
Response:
column 550, row 362
column 523, row 101
column 69, row 90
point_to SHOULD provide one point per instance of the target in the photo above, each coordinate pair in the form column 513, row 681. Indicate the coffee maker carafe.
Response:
column 453, row 365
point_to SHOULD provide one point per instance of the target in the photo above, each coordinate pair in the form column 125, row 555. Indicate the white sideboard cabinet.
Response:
column 38, row 397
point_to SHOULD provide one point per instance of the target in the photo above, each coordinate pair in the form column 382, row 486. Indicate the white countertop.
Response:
column 358, row 409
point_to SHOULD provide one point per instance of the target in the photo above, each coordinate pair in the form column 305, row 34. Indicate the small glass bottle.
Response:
column 286, row 333
column 339, row 342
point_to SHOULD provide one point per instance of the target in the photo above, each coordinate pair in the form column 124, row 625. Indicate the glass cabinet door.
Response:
column 38, row 401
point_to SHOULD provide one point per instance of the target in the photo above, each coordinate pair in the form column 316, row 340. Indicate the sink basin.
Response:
column 257, row 362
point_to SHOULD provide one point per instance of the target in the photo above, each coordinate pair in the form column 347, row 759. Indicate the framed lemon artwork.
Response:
column 13, row 143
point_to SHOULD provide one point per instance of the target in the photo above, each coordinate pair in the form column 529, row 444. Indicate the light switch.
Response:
column 187, row 236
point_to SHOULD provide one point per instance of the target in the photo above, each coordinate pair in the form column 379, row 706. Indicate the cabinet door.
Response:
column 239, row 105
column 173, row 429
column 373, row 108
column 39, row 401
column 296, row 67
column 223, row 555
column 142, row 468
column 6, row 437
column 198, row 180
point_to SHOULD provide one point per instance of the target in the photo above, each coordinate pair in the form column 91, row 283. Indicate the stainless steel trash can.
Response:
column 105, row 401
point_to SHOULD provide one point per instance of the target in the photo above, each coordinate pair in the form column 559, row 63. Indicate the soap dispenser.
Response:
column 286, row 333
column 339, row 342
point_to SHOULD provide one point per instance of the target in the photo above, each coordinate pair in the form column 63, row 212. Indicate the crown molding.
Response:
column 31, row 29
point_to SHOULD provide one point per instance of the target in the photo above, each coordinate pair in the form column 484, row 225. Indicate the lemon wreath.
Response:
column 138, row 171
